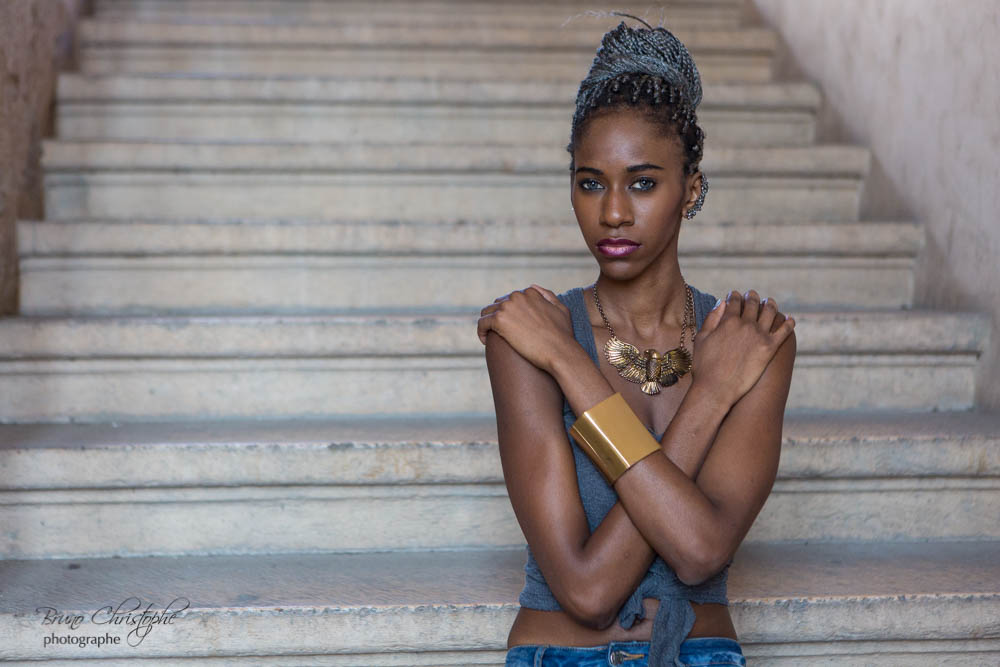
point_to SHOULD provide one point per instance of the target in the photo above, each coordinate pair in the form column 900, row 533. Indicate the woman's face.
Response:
column 629, row 191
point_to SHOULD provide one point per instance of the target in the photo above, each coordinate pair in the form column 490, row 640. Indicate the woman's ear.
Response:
column 697, row 186
column 693, row 189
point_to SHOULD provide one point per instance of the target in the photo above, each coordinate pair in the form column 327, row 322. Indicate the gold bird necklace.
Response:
column 650, row 368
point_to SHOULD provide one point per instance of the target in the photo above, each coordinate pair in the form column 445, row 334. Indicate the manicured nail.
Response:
column 718, row 302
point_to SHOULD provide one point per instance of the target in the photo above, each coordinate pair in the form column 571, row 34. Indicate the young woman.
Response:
column 618, row 528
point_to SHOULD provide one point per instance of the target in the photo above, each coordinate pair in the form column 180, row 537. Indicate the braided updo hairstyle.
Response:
column 648, row 70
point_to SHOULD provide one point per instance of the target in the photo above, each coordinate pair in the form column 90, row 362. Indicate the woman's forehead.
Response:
column 626, row 136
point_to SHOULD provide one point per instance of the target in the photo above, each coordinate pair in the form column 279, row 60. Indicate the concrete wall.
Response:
column 36, row 40
column 917, row 81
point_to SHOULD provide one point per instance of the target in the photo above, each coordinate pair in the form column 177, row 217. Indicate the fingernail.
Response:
column 718, row 302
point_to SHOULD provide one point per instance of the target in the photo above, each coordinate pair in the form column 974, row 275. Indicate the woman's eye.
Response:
column 645, row 183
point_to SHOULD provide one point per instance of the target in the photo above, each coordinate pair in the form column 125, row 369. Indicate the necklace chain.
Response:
column 688, row 315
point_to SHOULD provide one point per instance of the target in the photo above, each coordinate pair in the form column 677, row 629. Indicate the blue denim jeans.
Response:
column 695, row 652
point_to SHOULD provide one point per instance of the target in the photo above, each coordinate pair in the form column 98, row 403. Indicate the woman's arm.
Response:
column 696, row 526
column 591, row 575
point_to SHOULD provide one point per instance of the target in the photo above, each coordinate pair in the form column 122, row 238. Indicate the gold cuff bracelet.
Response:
column 613, row 436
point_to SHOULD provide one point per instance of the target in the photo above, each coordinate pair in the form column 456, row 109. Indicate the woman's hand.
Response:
column 533, row 321
column 736, row 343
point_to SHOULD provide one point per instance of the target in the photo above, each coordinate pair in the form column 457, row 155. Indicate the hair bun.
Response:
column 654, row 51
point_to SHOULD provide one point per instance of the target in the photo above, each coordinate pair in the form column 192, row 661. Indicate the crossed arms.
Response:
column 692, row 505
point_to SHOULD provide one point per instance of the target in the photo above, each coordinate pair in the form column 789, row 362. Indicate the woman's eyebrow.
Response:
column 643, row 167
column 634, row 167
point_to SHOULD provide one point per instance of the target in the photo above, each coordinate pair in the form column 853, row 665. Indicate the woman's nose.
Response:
column 615, row 209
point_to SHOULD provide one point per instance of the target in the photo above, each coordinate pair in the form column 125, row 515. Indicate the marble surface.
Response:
column 760, row 572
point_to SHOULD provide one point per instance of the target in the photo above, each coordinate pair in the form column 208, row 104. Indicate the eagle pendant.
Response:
column 650, row 368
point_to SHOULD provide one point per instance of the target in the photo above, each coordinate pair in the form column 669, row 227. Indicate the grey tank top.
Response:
column 674, row 617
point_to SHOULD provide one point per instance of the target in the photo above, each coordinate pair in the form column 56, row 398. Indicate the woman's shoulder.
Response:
column 574, row 301
column 704, row 302
column 571, row 297
column 702, row 296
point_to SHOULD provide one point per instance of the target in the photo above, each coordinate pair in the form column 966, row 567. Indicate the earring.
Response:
column 690, row 213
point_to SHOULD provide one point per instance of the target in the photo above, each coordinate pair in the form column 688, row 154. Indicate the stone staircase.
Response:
column 245, row 381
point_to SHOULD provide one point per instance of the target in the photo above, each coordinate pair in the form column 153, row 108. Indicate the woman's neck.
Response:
column 646, row 304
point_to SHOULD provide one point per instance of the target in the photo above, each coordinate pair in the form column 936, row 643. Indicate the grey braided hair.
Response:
column 648, row 69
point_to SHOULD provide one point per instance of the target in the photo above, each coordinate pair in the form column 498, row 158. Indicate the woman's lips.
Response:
column 616, row 247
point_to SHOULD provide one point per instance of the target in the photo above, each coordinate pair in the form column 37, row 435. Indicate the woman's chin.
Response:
column 620, row 268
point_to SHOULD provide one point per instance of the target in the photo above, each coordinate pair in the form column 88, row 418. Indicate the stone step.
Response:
column 447, row 198
column 792, row 604
column 732, row 114
column 584, row 36
column 199, row 267
column 551, row 15
column 183, row 368
column 439, row 182
column 321, row 283
column 472, row 51
column 463, row 93
column 435, row 334
column 429, row 483
column 291, row 122
column 60, row 155
column 459, row 62
column 538, row 18
column 39, row 238
column 392, row 8
column 409, row 196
